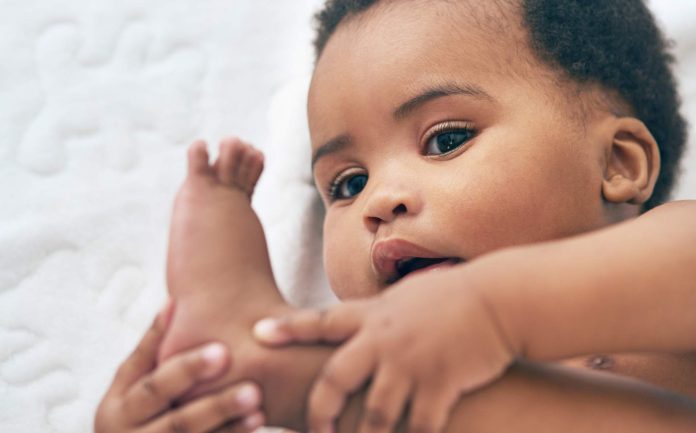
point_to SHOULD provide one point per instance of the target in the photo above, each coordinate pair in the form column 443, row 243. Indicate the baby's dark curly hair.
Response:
column 615, row 44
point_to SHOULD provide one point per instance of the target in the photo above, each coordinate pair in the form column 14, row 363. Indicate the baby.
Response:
column 475, row 160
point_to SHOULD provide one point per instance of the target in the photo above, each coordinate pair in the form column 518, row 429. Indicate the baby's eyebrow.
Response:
column 342, row 141
column 431, row 93
column 334, row 145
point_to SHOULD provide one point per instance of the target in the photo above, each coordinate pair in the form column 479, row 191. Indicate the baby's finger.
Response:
column 179, row 374
column 431, row 408
column 210, row 412
column 247, row 424
column 144, row 358
column 343, row 374
column 385, row 402
column 333, row 325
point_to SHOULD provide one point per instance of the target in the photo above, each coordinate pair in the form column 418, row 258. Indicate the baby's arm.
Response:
column 527, row 399
column 530, row 398
column 414, row 340
column 550, row 399
column 626, row 288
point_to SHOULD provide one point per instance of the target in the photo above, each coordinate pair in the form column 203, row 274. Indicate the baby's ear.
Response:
column 633, row 163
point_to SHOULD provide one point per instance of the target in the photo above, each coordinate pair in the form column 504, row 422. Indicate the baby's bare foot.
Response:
column 220, row 276
column 218, row 261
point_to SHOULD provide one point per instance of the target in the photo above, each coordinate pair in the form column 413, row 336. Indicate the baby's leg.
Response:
column 218, row 269
column 219, row 273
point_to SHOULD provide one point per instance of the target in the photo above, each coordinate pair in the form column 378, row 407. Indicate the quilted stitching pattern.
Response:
column 97, row 102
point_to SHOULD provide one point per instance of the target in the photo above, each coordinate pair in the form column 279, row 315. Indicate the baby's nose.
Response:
column 388, row 201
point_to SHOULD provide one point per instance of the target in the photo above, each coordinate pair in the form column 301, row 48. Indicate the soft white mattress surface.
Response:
column 98, row 100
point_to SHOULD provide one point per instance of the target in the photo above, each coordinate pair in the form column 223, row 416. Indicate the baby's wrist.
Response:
column 493, row 279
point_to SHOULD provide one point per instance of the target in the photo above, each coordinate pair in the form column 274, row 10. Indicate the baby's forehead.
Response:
column 430, row 43
column 491, row 20
column 490, row 31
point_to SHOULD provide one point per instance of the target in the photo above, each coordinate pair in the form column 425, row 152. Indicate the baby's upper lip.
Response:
column 387, row 253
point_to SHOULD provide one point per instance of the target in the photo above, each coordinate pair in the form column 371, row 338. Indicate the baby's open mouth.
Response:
column 409, row 265
column 394, row 259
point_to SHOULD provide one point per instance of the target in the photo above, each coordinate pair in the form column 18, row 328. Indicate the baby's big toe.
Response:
column 250, row 170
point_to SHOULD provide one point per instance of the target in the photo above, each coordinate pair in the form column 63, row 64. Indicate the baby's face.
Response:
column 434, row 138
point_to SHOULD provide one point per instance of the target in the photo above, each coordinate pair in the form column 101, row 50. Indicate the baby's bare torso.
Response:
column 676, row 372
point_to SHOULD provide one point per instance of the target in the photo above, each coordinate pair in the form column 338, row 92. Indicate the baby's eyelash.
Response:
column 335, row 183
column 449, row 126
column 332, row 187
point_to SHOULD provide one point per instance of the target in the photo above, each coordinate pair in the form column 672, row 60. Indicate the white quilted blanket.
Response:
column 98, row 100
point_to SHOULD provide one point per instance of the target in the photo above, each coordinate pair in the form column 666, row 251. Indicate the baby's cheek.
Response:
column 347, row 264
column 335, row 268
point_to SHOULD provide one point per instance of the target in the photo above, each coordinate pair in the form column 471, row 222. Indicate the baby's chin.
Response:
column 353, row 288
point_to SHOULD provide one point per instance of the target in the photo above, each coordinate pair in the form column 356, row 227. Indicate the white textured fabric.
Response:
column 98, row 100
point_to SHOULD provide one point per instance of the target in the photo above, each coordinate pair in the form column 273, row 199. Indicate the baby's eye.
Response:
column 447, row 141
column 347, row 185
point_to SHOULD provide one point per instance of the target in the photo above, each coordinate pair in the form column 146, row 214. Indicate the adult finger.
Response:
column 386, row 400
column 156, row 391
column 333, row 325
column 144, row 358
column 210, row 412
column 344, row 373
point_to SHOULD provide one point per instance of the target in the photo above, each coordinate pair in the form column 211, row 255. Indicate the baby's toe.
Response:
column 239, row 165
column 229, row 160
column 198, row 158
column 250, row 170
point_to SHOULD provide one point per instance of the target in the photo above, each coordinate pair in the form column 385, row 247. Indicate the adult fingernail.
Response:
column 268, row 330
column 214, row 357
column 248, row 396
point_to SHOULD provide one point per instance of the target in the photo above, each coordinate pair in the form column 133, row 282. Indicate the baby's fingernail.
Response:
column 214, row 357
column 248, row 396
column 253, row 421
column 268, row 330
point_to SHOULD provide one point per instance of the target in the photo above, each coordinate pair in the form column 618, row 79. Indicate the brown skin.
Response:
column 632, row 308
column 549, row 399
column 139, row 399
column 208, row 272
column 525, row 312
column 532, row 173
column 525, row 395
column 533, row 398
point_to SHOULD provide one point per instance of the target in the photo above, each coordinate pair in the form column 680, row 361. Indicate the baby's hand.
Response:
column 428, row 339
column 141, row 396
